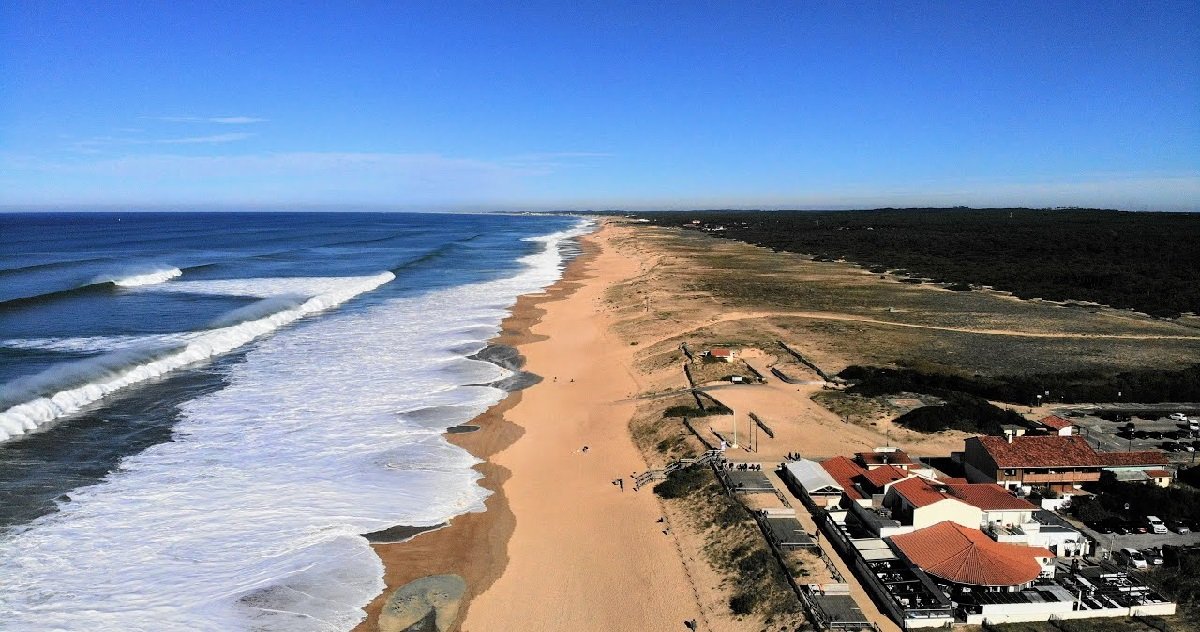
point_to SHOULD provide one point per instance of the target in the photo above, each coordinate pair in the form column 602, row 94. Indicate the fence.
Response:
column 808, row 363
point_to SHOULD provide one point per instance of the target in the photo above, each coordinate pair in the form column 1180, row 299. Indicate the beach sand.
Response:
column 583, row 554
column 560, row 546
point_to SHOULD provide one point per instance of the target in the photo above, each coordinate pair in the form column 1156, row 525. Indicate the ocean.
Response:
column 201, row 414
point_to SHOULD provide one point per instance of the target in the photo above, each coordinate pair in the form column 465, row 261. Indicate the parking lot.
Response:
column 1114, row 541
column 1160, row 432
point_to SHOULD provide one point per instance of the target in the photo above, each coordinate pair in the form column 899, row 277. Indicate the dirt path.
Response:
column 734, row 316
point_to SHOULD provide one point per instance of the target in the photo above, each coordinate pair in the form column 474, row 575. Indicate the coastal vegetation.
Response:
column 734, row 546
column 1141, row 261
column 724, row 535
column 1146, row 386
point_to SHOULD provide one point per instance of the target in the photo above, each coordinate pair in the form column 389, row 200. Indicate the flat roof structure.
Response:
column 884, row 456
column 788, row 533
column 841, row 610
column 748, row 481
column 813, row 478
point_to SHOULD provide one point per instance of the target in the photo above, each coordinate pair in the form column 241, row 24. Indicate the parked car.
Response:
column 1132, row 558
column 1178, row 527
column 1155, row 524
column 1178, row 417
column 1153, row 557
column 1156, row 435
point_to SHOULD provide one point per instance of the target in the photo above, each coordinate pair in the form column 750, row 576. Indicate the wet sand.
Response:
column 473, row 545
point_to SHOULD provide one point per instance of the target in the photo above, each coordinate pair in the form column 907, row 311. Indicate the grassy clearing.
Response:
column 856, row 409
column 736, row 276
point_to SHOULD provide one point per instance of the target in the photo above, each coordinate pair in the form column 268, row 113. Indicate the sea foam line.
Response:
column 31, row 415
column 148, row 278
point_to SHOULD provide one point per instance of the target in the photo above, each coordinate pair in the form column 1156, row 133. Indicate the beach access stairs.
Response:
column 649, row 476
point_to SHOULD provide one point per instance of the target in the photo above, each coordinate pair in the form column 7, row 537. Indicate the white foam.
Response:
column 95, row 344
column 148, row 278
column 31, row 415
column 250, row 518
column 259, row 287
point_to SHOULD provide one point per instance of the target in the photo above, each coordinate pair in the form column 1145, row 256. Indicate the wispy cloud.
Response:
column 550, row 161
column 211, row 139
column 302, row 177
column 219, row 120
column 97, row 144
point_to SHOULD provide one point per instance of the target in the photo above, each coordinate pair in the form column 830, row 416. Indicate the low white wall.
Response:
column 937, row 622
column 1158, row 609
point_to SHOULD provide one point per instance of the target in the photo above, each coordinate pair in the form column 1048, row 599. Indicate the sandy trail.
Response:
column 583, row 554
column 735, row 316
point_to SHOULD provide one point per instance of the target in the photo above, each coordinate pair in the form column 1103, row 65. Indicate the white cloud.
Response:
column 236, row 120
column 197, row 140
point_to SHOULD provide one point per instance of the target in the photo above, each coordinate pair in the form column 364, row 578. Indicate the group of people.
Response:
column 756, row 467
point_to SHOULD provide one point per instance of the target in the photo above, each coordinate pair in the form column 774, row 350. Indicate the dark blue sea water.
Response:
column 201, row 413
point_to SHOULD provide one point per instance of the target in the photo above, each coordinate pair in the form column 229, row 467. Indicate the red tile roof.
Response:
column 1137, row 457
column 879, row 458
column 920, row 492
column 720, row 352
column 881, row 476
column 1056, row 451
column 967, row 556
column 1040, row 451
column 1055, row 422
column 989, row 497
column 844, row 471
column 1158, row 473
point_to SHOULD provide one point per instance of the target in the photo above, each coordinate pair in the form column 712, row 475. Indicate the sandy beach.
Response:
column 558, row 538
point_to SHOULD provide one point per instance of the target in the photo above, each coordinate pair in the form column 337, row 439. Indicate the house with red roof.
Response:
column 869, row 474
column 922, row 502
column 1061, row 463
column 966, row 560
column 724, row 354
column 1057, row 425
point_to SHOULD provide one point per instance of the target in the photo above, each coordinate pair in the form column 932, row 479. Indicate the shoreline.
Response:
column 474, row 545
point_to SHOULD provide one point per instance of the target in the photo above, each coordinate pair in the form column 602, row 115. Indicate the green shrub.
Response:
column 681, row 483
column 743, row 603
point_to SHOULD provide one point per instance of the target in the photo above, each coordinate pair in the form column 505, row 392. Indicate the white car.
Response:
column 1177, row 417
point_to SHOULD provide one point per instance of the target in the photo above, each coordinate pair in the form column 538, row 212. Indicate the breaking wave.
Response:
column 147, row 278
column 32, row 415
column 251, row 518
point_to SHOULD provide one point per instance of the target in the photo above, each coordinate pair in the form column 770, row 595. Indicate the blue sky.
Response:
column 456, row 105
